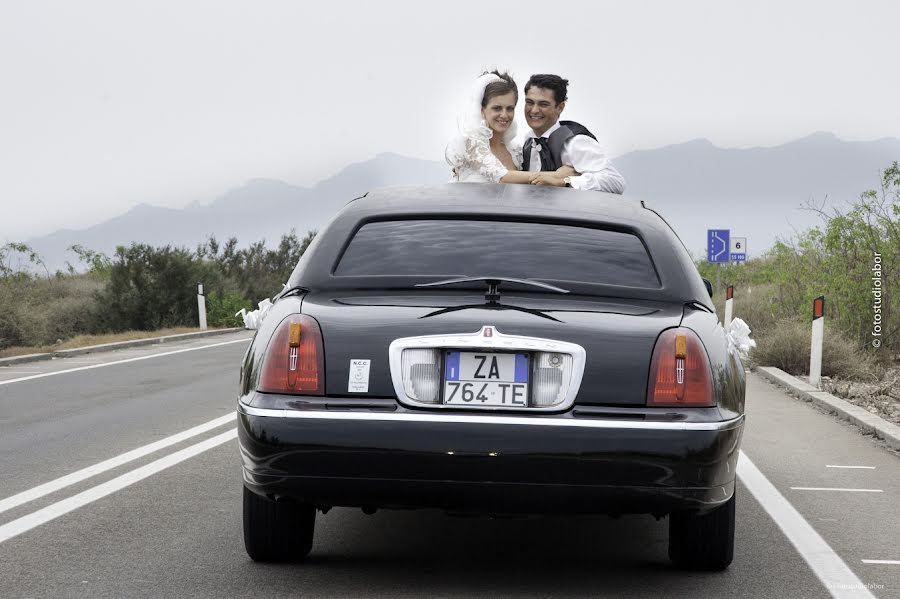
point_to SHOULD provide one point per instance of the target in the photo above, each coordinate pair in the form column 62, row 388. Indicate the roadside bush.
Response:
column 18, row 260
column 255, row 272
column 140, row 288
column 11, row 331
column 38, row 311
column 98, row 263
column 221, row 309
column 150, row 288
column 756, row 305
column 787, row 346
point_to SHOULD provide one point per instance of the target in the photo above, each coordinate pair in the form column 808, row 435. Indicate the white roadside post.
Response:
column 201, row 306
column 818, row 336
column 729, row 304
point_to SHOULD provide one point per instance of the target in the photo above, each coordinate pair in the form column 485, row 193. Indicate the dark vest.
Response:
column 558, row 138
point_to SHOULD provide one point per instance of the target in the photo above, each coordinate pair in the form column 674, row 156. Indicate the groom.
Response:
column 551, row 144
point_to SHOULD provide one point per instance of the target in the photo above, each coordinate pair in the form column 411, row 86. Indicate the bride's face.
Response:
column 499, row 112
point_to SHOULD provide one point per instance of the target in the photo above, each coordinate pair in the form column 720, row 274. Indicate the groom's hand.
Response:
column 548, row 178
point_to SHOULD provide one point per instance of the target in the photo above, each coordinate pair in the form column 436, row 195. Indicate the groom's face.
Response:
column 541, row 109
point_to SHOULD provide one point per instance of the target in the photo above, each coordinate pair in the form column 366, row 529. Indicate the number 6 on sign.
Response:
column 738, row 250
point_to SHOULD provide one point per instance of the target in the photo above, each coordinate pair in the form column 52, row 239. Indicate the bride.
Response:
column 485, row 149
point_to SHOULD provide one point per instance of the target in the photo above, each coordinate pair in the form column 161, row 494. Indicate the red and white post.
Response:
column 729, row 304
column 201, row 306
column 818, row 337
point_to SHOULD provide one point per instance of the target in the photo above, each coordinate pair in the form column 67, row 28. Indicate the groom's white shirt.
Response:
column 585, row 155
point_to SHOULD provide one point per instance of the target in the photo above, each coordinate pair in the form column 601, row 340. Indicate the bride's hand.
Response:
column 567, row 171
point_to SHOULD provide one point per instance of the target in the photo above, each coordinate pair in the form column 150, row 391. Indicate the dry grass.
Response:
column 86, row 340
column 756, row 305
column 785, row 342
column 38, row 312
column 787, row 346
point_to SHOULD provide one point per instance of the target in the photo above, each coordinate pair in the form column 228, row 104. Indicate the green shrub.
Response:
column 255, row 272
column 150, row 288
column 221, row 309
column 139, row 288
column 11, row 331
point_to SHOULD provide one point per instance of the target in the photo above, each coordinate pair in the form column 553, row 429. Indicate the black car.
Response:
column 496, row 349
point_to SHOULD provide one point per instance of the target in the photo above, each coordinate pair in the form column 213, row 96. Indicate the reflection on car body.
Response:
column 495, row 349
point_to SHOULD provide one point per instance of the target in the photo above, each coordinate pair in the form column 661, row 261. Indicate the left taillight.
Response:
column 295, row 359
column 680, row 373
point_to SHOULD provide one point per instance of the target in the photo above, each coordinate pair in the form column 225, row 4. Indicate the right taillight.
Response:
column 295, row 360
column 680, row 374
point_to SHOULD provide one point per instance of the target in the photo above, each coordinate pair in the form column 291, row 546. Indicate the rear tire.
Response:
column 277, row 530
column 703, row 542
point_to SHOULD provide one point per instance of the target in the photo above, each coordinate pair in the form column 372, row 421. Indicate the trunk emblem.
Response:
column 488, row 332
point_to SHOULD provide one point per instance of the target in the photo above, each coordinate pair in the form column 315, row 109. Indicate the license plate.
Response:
column 486, row 379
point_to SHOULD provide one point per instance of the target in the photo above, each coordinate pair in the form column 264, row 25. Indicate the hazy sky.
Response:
column 106, row 104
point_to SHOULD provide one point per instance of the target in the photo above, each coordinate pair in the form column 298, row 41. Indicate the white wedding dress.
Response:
column 469, row 152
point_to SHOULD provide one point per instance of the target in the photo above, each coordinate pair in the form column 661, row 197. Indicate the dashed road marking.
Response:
column 837, row 489
column 827, row 565
column 858, row 467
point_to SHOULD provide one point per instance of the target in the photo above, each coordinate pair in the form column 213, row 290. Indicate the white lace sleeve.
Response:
column 515, row 150
column 479, row 155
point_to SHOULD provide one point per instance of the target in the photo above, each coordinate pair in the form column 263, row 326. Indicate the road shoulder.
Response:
column 867, row 422
column 89, row 349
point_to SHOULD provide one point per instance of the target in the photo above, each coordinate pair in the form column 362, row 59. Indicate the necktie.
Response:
column 542, row 145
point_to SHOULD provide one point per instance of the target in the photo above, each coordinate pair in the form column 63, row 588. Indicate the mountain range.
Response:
column 757, row 193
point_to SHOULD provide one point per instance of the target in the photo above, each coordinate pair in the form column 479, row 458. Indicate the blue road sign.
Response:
column 717, row 245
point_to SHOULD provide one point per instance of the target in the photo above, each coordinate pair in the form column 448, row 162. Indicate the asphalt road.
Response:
column 167, row 523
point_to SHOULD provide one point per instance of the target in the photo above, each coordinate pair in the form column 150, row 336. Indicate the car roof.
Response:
column 680, row 281
column 492, row 199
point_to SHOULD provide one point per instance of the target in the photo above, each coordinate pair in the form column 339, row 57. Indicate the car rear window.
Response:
column 492, row 248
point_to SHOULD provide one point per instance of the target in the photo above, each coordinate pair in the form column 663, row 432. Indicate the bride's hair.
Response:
column 499, row 88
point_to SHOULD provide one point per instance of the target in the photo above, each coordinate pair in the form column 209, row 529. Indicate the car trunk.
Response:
column 617, row 334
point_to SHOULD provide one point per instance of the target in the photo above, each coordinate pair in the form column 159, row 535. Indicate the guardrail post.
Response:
column 201, row 306
column 729, row 304
column 818, row 336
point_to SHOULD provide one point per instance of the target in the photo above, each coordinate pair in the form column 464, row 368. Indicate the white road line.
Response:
column 859, row 467
column 827, row 565
column 129, row 456
column 892, row 562
column 60, row 508
column 837, row 489
column 159, row 355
